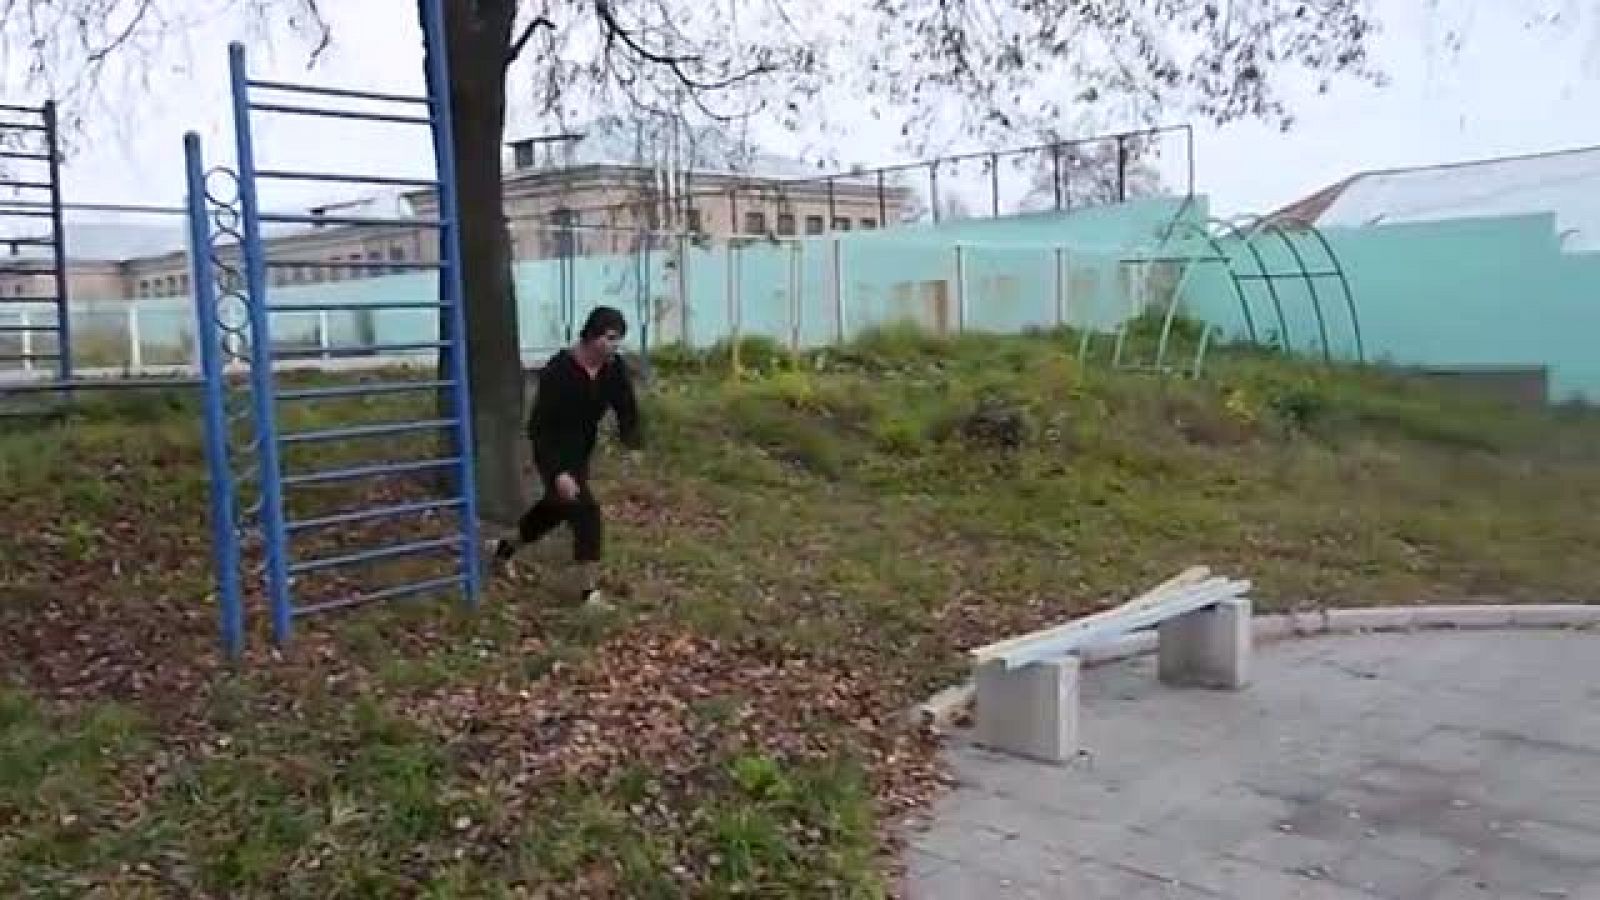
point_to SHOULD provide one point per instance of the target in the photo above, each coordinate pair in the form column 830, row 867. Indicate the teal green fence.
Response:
column 1456, row 294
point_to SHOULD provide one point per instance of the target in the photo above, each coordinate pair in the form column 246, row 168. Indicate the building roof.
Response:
column 618, row 141
column 1565, row 184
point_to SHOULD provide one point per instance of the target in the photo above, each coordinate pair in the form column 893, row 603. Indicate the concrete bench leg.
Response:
column 1207, row 648
column 1031, row 711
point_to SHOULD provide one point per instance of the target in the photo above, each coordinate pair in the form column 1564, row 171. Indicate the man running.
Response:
column 576, row 387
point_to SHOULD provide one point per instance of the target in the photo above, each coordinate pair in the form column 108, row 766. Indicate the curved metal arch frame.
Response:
column 1172, row 305
column 1246, row 240
column 1257, row 226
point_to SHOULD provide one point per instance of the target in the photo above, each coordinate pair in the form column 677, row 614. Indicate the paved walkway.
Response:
column 1428, row 766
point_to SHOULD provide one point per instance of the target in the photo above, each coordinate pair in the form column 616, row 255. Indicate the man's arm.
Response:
column 626, row 405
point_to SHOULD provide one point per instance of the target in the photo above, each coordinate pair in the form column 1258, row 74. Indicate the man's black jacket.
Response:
column 568, row 408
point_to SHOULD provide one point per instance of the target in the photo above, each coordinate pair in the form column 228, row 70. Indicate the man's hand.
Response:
column 567, row 487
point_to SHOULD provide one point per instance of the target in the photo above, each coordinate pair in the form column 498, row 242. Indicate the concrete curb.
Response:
column 942, row 709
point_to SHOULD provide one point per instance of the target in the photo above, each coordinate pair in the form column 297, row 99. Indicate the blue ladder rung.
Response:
column 339, row 178
column 362, row 390
column 368, row 515
column 377, row 553
column 334, row 92
column 332, row 475
column 340, row 114
column 360, row 350
column 363, row 431
column 353, row 264
column 404, row 590
column 304, row 219
column 353, row 307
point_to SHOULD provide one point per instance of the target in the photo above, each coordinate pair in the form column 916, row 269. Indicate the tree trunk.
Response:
column 478, row 38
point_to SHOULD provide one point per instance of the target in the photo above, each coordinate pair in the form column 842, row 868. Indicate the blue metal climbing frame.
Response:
column 30, row 171
column 280, row 527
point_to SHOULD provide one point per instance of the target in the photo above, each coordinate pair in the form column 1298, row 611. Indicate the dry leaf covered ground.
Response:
column 804, row 552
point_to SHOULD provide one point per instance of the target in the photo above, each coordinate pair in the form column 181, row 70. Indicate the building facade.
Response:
column 585, row 209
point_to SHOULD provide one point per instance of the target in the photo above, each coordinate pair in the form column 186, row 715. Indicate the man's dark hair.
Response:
column 601, row 320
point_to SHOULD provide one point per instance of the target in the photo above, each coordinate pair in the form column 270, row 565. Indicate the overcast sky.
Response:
column 1509, row 89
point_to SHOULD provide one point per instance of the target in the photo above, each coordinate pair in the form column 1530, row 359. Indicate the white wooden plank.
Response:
column 1187, row 578
column 1150, row 609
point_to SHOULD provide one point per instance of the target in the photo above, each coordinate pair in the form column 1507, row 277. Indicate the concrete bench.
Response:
column 1027, row 686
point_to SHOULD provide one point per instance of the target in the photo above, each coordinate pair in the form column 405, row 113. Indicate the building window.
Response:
column 397, row 254
column 755, row 223
column 336, row 271
column 840, row 223
column 373, row 270
column 813, row 224
column 785, row 224
column 691, row 220
column 280, row 277
column 522, row 154
column 869, row 224
column 144, row 287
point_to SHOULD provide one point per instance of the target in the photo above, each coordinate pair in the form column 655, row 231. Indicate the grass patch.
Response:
column 810, row 545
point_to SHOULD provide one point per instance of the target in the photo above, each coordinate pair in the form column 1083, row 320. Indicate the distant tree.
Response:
column 1092, row 174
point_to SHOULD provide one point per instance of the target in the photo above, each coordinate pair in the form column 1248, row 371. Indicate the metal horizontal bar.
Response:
column 329, row 476
column 9, row 107
column 21, row 126
column 353, row 307
column 18, row 154
column 390, row 551
column 283, row 175
column 404, row 590
column 362, row 350
column 39, row 185
column 26, row 357
column 29, row 242
column 94, row 384
column 377, row 512
column 339, row 114
column 24, row 329
column 362, row 390
column 308, row 219
column 335, row 92
column 364, row 431
column 28, row 213
column 1259, row 276
column 350, row 264
column 27, row 301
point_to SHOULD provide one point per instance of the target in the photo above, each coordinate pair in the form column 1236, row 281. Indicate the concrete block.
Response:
column 1030, row 712
column 1551, row 615
column 1314, row 621
column 941, row 710
column 1462, row 616
column 1270, row 627
column 1393, row 618
column 1209, row 647
column 1124, row 647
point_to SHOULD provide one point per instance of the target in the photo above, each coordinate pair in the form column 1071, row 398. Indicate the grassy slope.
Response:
column 805, row 551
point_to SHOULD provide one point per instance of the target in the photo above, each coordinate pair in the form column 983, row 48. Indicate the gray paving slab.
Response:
column 1425, row 766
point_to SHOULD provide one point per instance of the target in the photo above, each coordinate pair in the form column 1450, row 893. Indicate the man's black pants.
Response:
column 582, row 513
